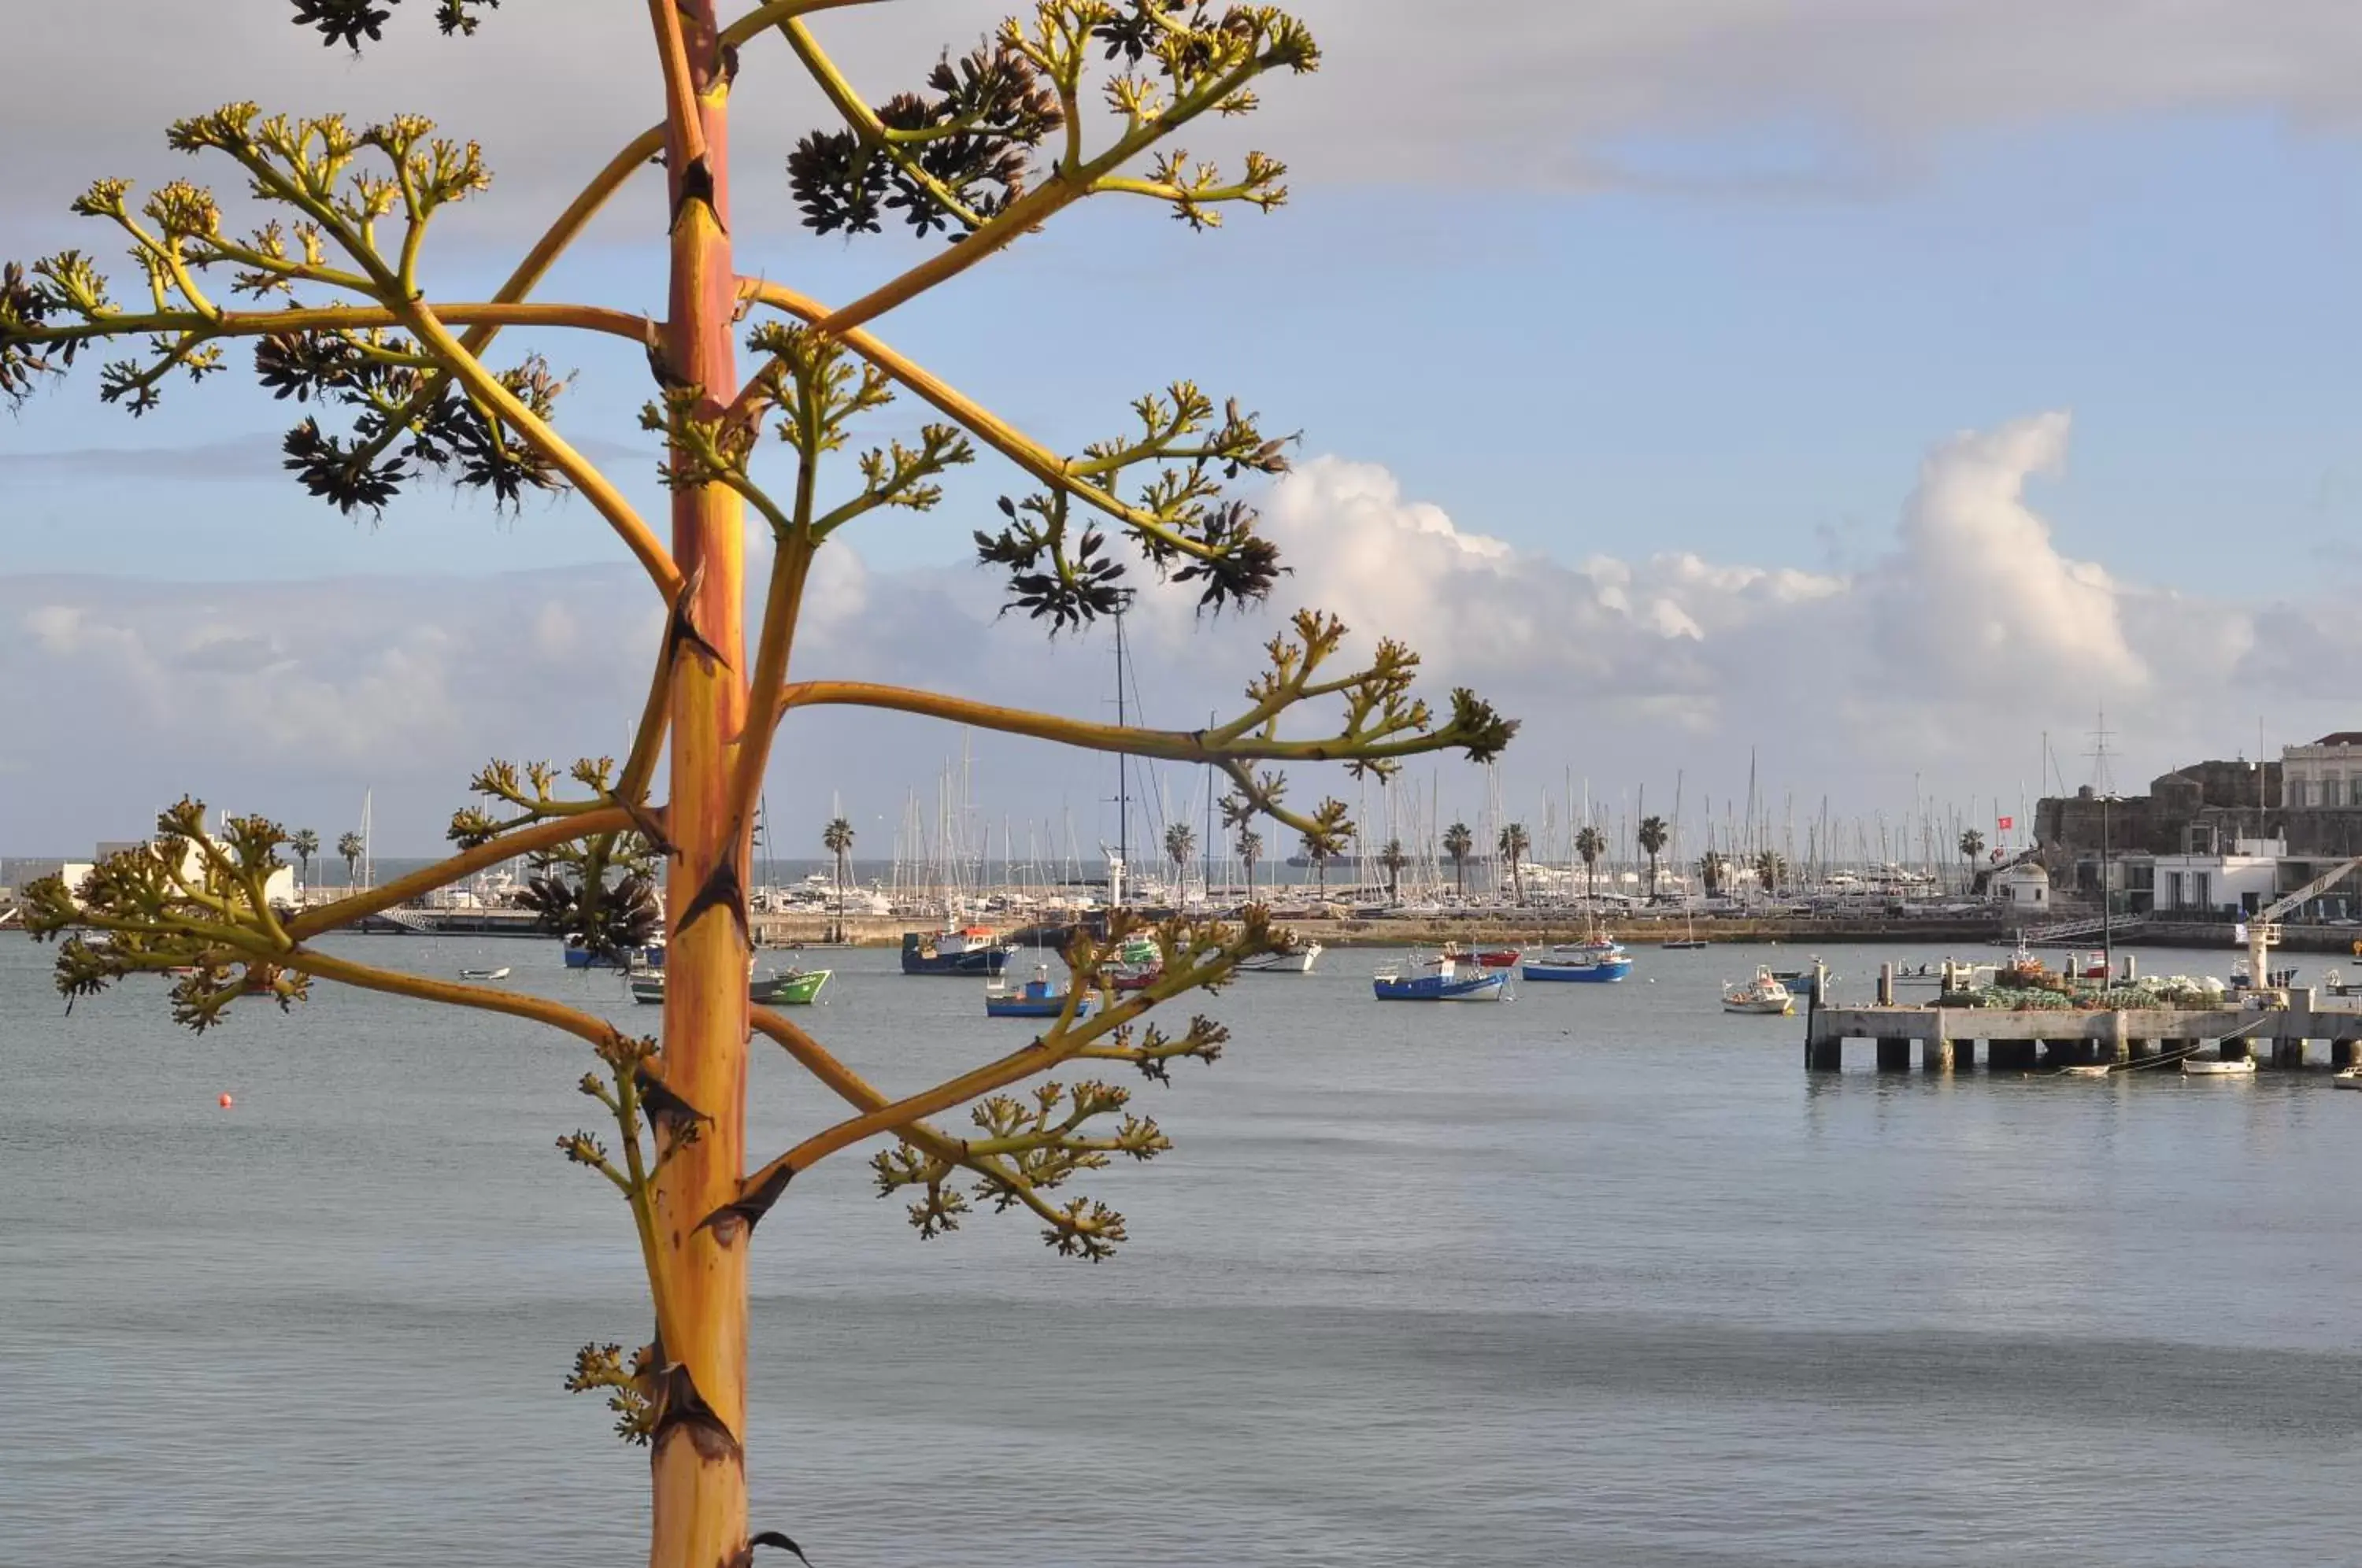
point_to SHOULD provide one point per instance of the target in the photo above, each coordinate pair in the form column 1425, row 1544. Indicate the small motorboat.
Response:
column 1447, row 976
column 500, row 973
column 1039, row 997
column 648, row 989
column 1685, row 944
column 1599, row 960
column 2348, row 1077
column 1495, row 957
column 1763, row 994
column 2087, row 1070
column 1296, row 960
column 792, row 988
column 2198, row 1068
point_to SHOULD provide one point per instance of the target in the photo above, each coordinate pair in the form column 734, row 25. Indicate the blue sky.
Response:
column 1660, row 317
column 1751, row 373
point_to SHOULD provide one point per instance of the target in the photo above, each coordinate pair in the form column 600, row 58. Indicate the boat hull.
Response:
column 919, row 958
column 794, row 989
column 1601, row 974
column 1299, row 961
column 1487, row 987
column 1761, row 1008
column 2243, row 1068
column 1029, row 1007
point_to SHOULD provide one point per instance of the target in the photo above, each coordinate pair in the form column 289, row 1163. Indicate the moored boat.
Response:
column 578, row 956
column 1039, row 997
column 964, row 950
column 500, row 973
column 1296, row 960
column 1447, row 976
column 1599, row 960
column 1763, row 994
column 1137, row 965
column 792, row 988
column 2198, row 1068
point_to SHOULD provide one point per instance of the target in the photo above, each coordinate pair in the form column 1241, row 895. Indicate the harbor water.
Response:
column 1599, row 1275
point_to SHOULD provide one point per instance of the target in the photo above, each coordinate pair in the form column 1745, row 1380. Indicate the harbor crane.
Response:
column 2262, row 930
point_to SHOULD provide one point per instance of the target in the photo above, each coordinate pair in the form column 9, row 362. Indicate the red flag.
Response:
column 2007, row 823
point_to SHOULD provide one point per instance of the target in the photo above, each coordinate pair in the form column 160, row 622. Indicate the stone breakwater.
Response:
column 1537, row 930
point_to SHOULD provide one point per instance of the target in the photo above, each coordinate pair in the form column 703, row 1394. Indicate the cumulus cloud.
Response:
column 1943, row 657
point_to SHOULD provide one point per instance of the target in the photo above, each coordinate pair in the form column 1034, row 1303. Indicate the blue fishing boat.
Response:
column 1039, row 997
column 578, row 956
column 1445, row 978
column 1601, row 960
column 970, row 950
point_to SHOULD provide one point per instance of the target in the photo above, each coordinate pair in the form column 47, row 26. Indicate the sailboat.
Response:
column 1691, row 941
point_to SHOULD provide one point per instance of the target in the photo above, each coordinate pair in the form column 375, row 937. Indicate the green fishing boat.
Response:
column 796, row 988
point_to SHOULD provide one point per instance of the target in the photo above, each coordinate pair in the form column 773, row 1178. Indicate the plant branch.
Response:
column 584, row 475
column 977, row 420
column 326, row 918
column 1061, row 1042
column 1226, row 743
column 598, row 1031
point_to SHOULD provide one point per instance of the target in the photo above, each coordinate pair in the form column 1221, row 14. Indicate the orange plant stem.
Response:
column 698, row 1465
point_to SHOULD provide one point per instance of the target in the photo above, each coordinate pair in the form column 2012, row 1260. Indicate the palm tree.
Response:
column 1653, row 838
column 1458, row 843
column 1590, row 843
column 1770, row 870
column 1393, row 859
column 1250, row 848
column 837, row 839
column 1180, row 844
column 1712, row 867
column 352, row 848
column 305, row 844
column 1514, row 843
column 1972, row 843
column 1318, row 849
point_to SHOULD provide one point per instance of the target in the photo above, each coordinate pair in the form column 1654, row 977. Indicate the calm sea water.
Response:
column 1596, row 1276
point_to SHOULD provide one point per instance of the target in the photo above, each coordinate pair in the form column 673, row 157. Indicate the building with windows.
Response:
column 2326, row 775
column 2242, row 878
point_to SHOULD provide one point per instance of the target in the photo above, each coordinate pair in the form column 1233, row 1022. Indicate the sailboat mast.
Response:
column 1123, row 768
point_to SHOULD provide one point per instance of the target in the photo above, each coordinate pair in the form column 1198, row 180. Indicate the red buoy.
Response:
column 227, row 1102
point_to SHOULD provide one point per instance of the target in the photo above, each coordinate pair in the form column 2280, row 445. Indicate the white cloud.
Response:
column 1780, row 92
column 1943, row 657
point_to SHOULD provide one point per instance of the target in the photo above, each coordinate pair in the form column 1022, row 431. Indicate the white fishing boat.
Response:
column 1763, row 994
column 2198, row 1068
column 1296, row 960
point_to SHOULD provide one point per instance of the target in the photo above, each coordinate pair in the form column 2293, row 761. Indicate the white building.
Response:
column 278, row 888
column 2328, row 773
column 2024, row 891
column 2246, row 878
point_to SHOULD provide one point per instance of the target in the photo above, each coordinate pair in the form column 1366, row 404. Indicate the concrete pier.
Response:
column 2036, row 1040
